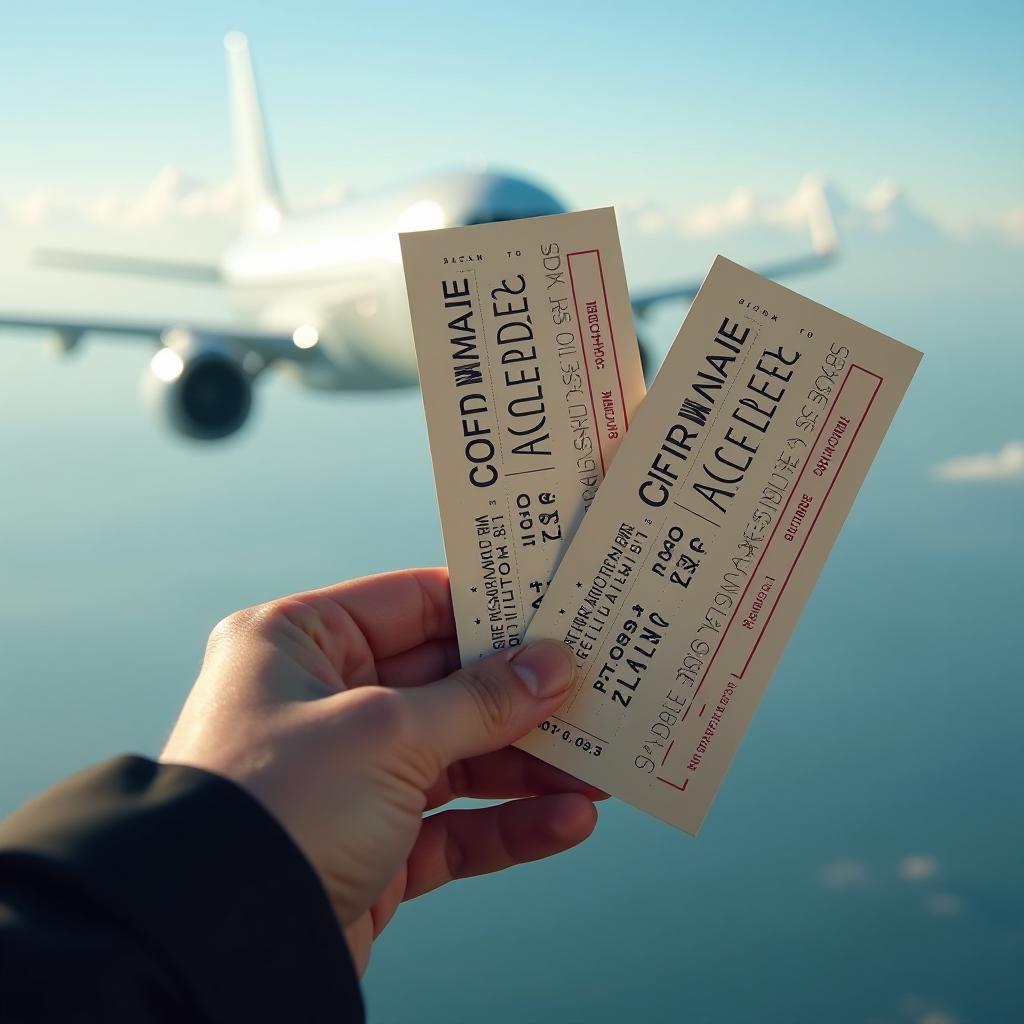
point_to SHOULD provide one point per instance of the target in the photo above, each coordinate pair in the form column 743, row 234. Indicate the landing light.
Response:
column 305, row 336
column 167, row 365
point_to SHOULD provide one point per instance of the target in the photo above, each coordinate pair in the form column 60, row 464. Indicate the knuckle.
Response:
column 261, row 620
column 384, row 715
column 491, row 692
column 270, row 617
column 229, row 629
column 283, row 616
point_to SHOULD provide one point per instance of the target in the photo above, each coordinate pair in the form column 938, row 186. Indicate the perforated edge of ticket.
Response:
column 686, row 578
column 530, row 374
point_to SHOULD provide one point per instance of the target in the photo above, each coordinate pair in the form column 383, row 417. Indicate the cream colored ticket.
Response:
column 530, row 374
column 687, row 576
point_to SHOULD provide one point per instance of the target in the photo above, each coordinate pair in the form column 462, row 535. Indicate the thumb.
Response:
column 492, row 702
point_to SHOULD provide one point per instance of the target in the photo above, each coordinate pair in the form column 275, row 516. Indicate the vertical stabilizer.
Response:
column 261, row 200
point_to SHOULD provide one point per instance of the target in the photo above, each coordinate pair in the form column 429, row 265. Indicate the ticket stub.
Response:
column 685, row 579
column 530, row 373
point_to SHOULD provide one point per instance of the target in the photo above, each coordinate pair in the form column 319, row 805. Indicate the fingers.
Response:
column 395, row 611
column 505, row 774
column 431, row 660
column 489, row 704
column 458, row 844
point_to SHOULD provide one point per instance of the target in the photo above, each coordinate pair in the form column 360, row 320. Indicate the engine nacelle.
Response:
column 198, row 386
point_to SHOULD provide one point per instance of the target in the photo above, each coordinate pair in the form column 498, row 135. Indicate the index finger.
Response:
column 394, row 611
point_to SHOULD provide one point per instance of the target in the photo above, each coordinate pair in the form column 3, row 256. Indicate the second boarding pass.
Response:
column 679, row 582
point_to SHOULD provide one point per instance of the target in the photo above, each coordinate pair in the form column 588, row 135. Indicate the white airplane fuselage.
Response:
column 335, row 275
column 320, row 295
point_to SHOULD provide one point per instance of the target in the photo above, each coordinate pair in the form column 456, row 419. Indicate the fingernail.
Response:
column 544, row 667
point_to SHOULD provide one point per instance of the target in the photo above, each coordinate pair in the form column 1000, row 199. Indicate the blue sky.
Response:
column 672, row 104
column 606, row 102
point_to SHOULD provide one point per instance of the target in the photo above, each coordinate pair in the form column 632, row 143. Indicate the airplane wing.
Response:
column 68, row 332
column 824, row 246
column 111, row 263
column 200, row 379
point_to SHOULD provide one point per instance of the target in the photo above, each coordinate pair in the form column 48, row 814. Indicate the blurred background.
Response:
column 862, row 862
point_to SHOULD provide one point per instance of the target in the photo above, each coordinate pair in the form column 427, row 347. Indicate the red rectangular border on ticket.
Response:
column 820, row 456
column 597, row 337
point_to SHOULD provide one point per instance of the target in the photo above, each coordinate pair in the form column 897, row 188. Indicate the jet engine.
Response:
column 199, row 386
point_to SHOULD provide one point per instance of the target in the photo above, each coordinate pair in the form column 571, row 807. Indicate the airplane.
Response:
column 321, row 293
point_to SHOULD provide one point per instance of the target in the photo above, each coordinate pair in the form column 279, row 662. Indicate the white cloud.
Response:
column 170, row 198
column 920, row 1010
column 1013, row 224
column 33, row 208
column 1004, row 465
column 885, row 211
column 742, row 208
column 1006, row 226
column 918, row 866
column 737, row 210
column 649, row 220
column 944, row 904
column 845, row 874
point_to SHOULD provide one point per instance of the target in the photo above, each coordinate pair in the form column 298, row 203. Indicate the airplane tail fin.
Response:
column 262, row 208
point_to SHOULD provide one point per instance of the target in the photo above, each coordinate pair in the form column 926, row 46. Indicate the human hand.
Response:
column 344, row 711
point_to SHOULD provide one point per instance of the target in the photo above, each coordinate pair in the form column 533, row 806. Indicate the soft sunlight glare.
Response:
column 167, row 365
column 425, row 215
column 305, row 336
column 268, row 218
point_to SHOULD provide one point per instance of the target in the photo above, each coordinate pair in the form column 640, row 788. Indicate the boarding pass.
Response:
column 686, row 577
column 530, row 375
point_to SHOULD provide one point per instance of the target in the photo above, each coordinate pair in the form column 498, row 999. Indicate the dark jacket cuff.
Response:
column 208, row 879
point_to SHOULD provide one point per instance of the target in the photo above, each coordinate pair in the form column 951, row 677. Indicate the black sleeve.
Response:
column 143, row 892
